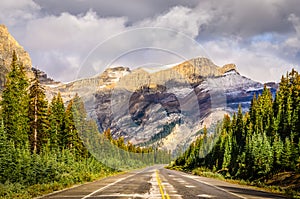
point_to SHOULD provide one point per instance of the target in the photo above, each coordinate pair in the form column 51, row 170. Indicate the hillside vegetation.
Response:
column 257, row 146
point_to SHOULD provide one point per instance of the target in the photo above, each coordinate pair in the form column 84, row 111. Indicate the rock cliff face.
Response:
column 165, row 108
column 191, row 72
column 7, row 45
column 43, row 77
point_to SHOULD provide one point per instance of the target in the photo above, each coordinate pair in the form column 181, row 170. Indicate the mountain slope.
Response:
column 7, row 45
column 164, row 108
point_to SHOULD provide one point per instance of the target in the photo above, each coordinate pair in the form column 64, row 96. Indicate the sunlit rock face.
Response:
column 7, row 45
column 165, row 107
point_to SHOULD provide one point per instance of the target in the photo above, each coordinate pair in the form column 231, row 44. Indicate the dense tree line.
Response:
column 29, row 122
column 39, row 142
column 148, row 155
column 42, row 142
column 257, row 144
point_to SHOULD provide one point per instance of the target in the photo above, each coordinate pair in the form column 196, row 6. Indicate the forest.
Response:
column 256, row 145
column 42, row 144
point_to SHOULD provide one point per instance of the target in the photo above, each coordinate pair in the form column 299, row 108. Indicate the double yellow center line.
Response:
column 162, row 189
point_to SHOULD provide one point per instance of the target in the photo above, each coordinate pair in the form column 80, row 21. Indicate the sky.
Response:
column 71, row 39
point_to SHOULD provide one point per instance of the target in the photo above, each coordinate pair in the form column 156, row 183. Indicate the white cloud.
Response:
column 179, row 18
column 64, row 36
column 59, row 43
column 15, row 12
column 68, row 31
column 65, row 40
column 256, row 61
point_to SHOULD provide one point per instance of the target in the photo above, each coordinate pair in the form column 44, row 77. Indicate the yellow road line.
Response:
column 162, row 190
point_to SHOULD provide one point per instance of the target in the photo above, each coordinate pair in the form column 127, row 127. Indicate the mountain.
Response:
column 43, row 77
column 7, row 45
column 164, row 107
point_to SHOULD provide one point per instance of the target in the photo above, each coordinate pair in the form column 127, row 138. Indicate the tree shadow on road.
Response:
column 249, row 192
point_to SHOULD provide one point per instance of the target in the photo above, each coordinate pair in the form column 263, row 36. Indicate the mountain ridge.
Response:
column 127, row 103
column 166, row 108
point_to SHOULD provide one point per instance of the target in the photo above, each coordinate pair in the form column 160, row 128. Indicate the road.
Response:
column 157, row 182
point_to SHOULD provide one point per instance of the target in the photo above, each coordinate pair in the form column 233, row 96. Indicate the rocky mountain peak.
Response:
column 211, row 68
column 113, row 75
column 43, row 77
column 202, row 61
column 227, row 68
column 117, row 69
column 7, row 45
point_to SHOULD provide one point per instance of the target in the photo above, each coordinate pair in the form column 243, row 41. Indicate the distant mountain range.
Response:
column 166, row 108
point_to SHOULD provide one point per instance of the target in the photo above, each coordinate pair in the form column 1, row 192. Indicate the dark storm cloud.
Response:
column 248, row 18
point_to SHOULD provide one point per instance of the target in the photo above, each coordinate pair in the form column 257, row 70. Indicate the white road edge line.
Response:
column 102, row 188
column 222, row 189
column 212, row 186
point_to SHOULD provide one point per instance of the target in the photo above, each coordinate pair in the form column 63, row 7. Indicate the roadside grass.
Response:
column 16, row 190
column 287, row 183
column 78, row 173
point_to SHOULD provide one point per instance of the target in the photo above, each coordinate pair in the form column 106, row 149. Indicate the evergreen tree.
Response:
column 239, row 129
column 254, row 113
column 227, row 152
column 277, row 153
column 266, row 111
column 283, row 107
column 56, row 115
column 6, row 155
column 15, row 104
column 287, row 155
column 73, row 115
column 257, row 144
column 39, row 123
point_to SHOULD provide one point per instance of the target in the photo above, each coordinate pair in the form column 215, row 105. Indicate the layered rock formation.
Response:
column 7, row 45
column 173, row 103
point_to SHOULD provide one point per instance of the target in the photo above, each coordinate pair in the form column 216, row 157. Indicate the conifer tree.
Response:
column 15, row 104
column 6, row 155
column 38, row 116
column 73, row 115
column 287, row 154
column 227, row 152
column 266, row 113
column 239, row 128
column 277, row 153
column 70, row 129
column 254, row 113
column 56, row 115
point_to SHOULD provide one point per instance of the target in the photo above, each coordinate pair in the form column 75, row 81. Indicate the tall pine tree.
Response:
column 39, row 124
column 75, row 116
column 57, row 115
column 14, row 104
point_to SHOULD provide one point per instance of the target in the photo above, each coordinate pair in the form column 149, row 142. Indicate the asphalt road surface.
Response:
column 157, row 182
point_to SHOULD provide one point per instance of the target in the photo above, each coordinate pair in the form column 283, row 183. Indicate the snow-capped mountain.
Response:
column 166, row 108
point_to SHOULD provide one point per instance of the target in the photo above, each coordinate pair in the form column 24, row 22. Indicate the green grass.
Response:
column 17, row 190
column 30, row 175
